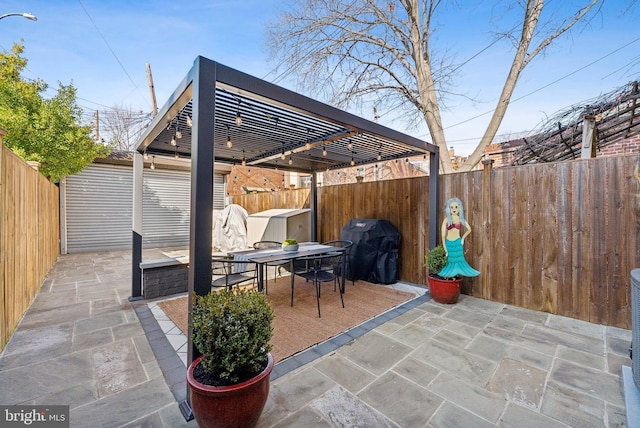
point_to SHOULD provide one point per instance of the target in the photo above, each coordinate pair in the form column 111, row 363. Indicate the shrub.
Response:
column 232, row 329
column 436, row 259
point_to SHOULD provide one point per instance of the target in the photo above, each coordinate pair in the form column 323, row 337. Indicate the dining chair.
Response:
column 277, row 265
column 347, row 256
column 227, row 272
column 319, row 269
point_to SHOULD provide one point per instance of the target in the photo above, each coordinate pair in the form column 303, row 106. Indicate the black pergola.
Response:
column 277, row 128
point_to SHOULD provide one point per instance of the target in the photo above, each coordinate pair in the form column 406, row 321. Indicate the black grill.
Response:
column 374, row 254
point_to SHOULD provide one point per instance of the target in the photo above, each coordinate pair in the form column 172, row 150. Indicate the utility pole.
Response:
column 154, row 105
column 97, row 126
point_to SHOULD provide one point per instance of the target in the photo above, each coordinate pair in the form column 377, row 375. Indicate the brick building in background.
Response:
column 244, row 179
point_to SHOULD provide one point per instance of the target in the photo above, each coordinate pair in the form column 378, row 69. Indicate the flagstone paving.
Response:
column 472, row 364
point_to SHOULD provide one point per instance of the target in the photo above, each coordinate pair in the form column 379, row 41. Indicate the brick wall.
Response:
column 630, row 145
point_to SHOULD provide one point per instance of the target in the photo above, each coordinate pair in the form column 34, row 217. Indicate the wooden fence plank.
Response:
column 498, row 283
column 546, row 233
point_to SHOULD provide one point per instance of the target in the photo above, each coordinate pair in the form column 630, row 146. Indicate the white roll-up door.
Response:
column 165, row 218
column 98, row 204
column 98, row 209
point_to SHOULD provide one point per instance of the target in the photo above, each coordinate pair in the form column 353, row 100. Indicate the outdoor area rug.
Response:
column 298, row 328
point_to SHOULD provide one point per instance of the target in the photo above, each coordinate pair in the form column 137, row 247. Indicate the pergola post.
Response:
column 201, row 219
column 202, row 134
column 136, row 227
column 314, row 207
column 434, row 197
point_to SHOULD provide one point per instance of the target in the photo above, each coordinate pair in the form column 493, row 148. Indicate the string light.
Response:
column 308, row 145
column 177, row 155
column 178, row 134
column 229, row 142
column 379, row 156
column 349, row 145
column 153, row 162
column 290, row 160
column 324, row 151
column 244, row 161
column 189, row 121
column 238, row 117
column 353, row 162
column 145, row 155
column 282, row 156
column 173, row 140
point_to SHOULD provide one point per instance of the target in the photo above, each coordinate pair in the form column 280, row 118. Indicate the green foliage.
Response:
column 289, row 241
column 436, row 259
column 232, row 329
column 45, row 130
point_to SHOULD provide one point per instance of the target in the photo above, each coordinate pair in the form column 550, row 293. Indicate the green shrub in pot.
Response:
column 232, row 329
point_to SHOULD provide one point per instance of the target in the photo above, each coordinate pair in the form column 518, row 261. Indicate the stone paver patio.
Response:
column 473, row 364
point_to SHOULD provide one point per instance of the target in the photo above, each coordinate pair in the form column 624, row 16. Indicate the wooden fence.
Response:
column 561, row 238
column 29, row 237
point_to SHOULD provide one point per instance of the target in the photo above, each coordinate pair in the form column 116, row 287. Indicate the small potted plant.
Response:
column 442, row 289
column 229, row 383
column 289, row 245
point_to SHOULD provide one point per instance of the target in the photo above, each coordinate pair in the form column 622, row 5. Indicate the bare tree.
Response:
column 350, row 51
column 121, row 127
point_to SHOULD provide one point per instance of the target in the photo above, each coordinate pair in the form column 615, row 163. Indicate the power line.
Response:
column 135, row 86
column 107, row 43
column 548, row 84
column 459, row 66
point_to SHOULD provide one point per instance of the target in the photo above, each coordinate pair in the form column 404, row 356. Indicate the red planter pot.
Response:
column 444, row 290
column 236, row 406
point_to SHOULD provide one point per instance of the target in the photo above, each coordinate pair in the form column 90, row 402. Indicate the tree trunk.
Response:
column 534, row 8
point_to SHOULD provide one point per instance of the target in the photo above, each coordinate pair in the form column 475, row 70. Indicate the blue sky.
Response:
column 101, row 47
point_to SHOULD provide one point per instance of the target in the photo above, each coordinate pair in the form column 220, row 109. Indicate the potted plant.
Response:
column 290, row 244
column 442, row 289
column 229, row 383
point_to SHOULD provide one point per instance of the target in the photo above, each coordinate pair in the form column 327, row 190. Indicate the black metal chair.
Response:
column 227, row 272
column 347, row 256
column 277, row 265
column 319, row 269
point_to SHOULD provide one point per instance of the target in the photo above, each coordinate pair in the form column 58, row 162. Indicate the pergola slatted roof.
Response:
column 312, row 136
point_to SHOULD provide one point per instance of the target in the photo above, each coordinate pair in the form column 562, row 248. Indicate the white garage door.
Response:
column 97, row 208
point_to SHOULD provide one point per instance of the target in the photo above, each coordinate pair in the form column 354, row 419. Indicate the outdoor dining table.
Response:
column 268, row 255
